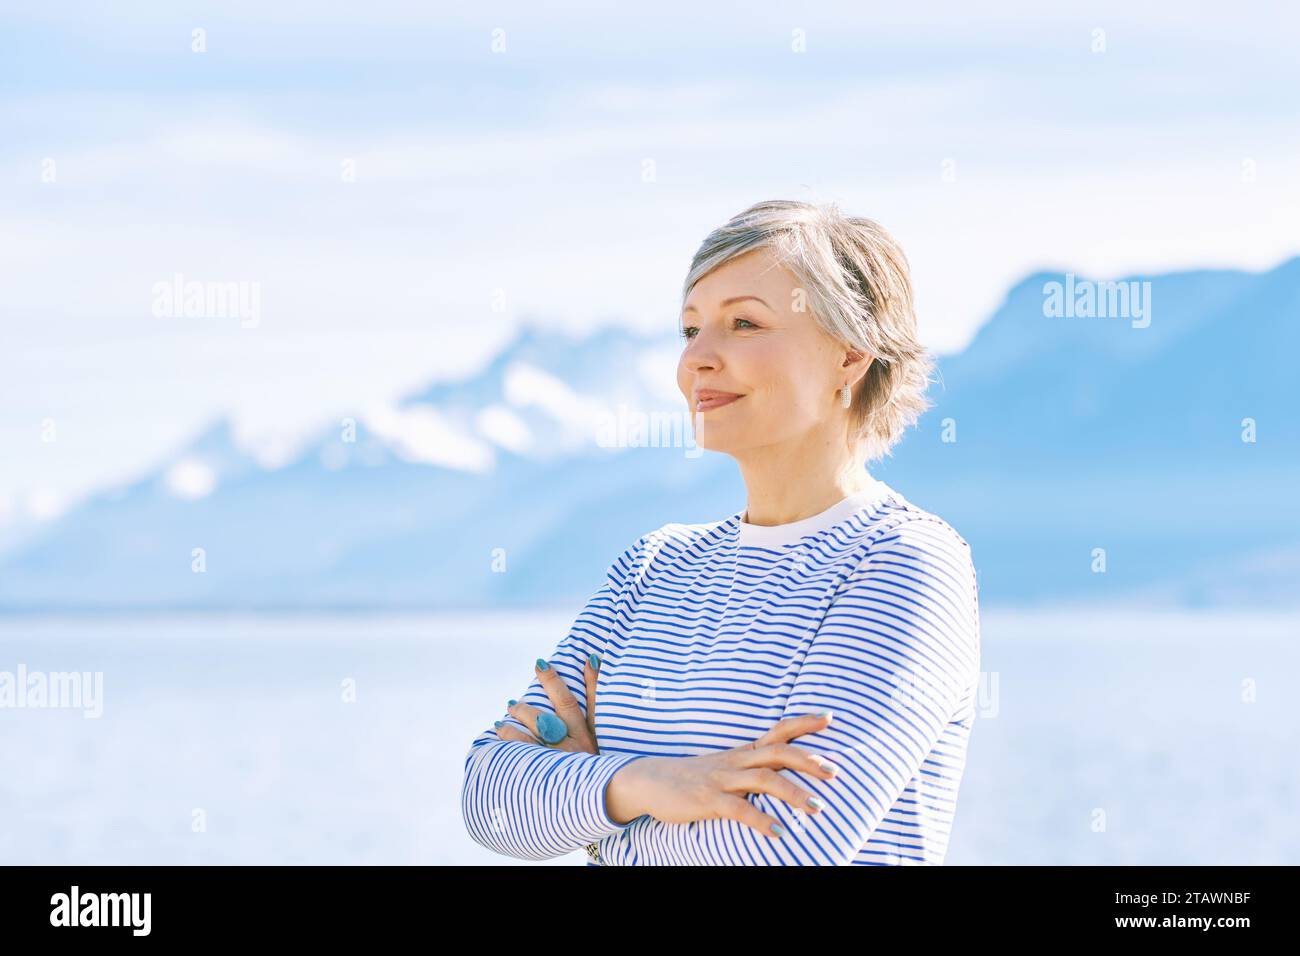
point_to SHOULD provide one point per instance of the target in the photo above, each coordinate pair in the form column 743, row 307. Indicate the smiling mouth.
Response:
column 708, row 404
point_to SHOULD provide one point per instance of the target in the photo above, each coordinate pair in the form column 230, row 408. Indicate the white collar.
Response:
column 776, row 535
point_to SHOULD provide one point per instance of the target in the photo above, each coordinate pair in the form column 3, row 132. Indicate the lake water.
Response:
column 1114, row 738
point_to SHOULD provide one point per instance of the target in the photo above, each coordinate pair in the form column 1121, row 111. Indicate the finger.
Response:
column 791, row 727
column 741, row 810
column 762, row 780
column 562, row 699
column 508, row 732
column 785, row 756
column 546, row 726
column 590, row 674
column 526, row 714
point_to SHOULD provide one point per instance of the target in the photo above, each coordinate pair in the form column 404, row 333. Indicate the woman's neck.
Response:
column 791, row 489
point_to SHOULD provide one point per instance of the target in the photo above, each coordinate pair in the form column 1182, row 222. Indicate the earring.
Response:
column 846, row 397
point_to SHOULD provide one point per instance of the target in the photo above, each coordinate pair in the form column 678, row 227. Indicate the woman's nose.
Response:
column 700, row 354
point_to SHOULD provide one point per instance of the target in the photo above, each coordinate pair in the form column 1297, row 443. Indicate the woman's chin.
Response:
column 717, row 439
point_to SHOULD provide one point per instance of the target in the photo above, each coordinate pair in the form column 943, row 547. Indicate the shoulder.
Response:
column 678, row 535
column 906, row 524
column 917, row 572
column 908, row 543
column 676, row 532
column 667, row 539
column 666, row 542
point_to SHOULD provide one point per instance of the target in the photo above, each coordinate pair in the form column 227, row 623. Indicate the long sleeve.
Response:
column 894, row 657
column 534, row 802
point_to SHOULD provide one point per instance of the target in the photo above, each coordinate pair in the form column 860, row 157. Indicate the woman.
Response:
column 793, row 684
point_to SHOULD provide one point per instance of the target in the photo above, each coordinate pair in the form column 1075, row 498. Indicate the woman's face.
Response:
column 745, row 332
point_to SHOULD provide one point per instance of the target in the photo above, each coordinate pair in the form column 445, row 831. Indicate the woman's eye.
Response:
column 688, row 332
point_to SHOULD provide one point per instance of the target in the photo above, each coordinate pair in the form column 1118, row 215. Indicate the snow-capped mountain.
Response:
column 1053, row 439
column 505, row 488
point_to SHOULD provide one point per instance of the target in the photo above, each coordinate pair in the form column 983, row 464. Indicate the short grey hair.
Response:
column 858, row 287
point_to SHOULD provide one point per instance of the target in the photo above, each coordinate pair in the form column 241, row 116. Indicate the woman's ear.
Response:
column 856, row 366
column 855, row 358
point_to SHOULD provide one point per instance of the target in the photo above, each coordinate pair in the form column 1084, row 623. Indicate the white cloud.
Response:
column 526, row 385
column 501, row 425
column 191, row 479
column 420, row 433
column 375, row 286
column 657, row 369
column 45, row 504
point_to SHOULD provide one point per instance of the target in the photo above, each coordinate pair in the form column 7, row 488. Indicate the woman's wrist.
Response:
column 622, row 802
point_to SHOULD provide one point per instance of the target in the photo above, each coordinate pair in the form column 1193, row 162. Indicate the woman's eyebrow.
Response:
column 726, row 302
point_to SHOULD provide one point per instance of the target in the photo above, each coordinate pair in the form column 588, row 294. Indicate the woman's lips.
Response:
column 715, row 401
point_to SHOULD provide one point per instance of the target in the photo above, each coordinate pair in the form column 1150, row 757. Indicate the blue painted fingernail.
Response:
column 511, row 703
column 594, row 661
column 823, row 713
column 550, row 728
column 542, row 665
column 778, row 829
column 497, row 724
column 816, row 803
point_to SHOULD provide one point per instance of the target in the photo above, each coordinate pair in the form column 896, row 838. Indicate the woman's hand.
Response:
column 568, row 728
column 679, row 789
column 713, row 786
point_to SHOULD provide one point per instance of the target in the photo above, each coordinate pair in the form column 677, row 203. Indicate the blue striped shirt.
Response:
column 708, row 634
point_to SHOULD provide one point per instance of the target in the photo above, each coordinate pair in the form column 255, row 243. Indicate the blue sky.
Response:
column 493, row 188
